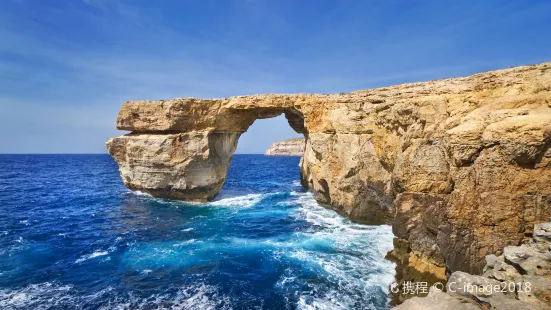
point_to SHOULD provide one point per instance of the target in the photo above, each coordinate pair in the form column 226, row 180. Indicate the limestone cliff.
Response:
column 290, row 147
column 461, row 167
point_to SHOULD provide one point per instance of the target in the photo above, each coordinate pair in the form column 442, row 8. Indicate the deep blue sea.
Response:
column 72, row 236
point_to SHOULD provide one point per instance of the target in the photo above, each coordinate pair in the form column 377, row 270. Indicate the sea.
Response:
column 73, row 237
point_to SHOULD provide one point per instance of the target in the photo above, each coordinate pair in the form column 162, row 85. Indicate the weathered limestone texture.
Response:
column 290, row 147
column 463, row 164
column 518, row 279
column 155, row 163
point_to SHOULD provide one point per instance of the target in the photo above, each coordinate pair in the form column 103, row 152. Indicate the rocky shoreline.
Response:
column 290, row 147
column 459, row 167
column 520, row 278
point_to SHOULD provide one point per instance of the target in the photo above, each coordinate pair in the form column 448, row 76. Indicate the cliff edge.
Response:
column 289, row 147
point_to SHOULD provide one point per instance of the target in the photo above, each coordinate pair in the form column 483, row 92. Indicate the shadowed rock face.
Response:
column 463, row 164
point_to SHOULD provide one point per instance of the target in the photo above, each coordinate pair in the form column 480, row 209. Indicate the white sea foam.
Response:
column 54, row 296
column 35, row 296
column 140, row 193
column 285, row 203
column 201, row 297
column 245, row 201
column 4, row 233
column 314, row 303
column 233, row 202
column 91, row 256
column 183, row 243
column 187, row 229
column 346, row 266
column 296, row 183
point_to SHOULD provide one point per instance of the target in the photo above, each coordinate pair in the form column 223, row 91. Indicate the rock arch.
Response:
column 182, row 148
column 461, row 167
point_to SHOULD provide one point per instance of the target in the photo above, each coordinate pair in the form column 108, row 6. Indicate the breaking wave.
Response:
column 90, row 256
column 245, row 201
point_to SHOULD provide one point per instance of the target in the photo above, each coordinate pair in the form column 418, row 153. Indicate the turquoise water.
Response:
column 72, row 236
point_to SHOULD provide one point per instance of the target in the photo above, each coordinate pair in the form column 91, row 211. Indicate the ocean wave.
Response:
column 307, row 302
column 346, row 265
column 242, row 201
column 53, row 296
column 201, row 296
column 91, row 256
column 36, row 296
column 245, row 201
column 223, row 200
column 140, row 193
column 183, row 243
column 260, row 244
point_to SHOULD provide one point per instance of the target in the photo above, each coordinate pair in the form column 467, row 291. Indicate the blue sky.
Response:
column 67, row 66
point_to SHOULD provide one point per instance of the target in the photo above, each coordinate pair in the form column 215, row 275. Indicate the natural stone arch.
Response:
column 188, row 154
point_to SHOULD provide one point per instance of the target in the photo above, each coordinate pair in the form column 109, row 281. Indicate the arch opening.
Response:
column 264, row 132
column 270, row 126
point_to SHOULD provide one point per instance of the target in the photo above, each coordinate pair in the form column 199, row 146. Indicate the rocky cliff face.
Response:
column 518, row 279
column 460, row 167
column 290, row 147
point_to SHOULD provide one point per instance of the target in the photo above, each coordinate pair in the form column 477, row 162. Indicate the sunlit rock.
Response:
column 290, row 147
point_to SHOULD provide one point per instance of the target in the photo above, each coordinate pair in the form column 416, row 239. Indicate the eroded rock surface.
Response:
column 290, row 147
column 518, row 279
column 463, row 164
column 189, row 165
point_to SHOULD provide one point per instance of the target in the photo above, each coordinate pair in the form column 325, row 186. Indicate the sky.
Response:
column 67, row 66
